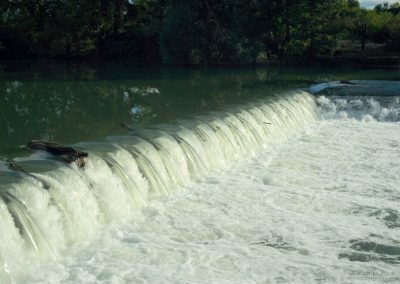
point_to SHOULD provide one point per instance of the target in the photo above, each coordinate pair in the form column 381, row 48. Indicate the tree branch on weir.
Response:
column 67, row 154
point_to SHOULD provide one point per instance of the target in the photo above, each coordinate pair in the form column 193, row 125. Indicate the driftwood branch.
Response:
column 67, row 154
column 15, row 167
column 126, row 126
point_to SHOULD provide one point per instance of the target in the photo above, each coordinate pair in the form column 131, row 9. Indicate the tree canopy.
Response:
column 199, row 32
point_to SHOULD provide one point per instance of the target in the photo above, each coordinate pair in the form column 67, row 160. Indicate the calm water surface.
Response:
column 70, row 104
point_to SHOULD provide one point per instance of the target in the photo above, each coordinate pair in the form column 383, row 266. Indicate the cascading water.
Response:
column 361, row 100
column 50, row 205
column 362, row 108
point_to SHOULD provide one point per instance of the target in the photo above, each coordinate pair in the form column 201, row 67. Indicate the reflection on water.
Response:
column 68, row 104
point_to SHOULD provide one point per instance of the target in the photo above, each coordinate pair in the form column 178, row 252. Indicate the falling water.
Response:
column 49, row 205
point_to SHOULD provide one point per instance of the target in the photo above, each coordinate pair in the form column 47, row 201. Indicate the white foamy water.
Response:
column 264, row 194
column 363, row 108
column 323, row 207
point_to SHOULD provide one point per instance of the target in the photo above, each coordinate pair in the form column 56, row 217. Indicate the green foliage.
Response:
column 184, row 32
column 176, row 37
column 353, row 4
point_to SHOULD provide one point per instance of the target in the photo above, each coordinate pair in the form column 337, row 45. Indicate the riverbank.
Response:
column 359, row 62
column 389, row 62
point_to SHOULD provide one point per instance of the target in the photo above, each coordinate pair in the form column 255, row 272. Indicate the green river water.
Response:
column 70, row 103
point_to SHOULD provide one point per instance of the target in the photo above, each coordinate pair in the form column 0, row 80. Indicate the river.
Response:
column 228, row 176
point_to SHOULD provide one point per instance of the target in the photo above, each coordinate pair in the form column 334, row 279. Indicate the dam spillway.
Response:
column 52, row 205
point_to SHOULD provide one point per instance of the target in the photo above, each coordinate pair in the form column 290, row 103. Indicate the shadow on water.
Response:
column 278, row 242
column 369, row 251
column 388, row 216
column 377, row 248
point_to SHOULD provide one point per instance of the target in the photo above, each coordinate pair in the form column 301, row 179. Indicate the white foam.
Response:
column 67, row 204
column 292, row 214
column 292, row 207
column 361, row 108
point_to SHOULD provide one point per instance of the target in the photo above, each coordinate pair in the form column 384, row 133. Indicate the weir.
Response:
column 359, row 99
column 55, row 204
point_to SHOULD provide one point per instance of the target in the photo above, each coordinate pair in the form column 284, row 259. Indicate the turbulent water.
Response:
column 293, row 188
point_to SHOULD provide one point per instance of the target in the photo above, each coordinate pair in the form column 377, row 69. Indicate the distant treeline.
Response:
column 200, row 32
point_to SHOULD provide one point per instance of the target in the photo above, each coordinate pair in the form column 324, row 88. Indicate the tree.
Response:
column 353, row 3
column 181, row 32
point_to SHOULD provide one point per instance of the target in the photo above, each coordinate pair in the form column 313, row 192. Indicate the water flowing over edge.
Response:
column 364, row 100
column 53, row 205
